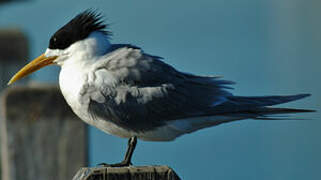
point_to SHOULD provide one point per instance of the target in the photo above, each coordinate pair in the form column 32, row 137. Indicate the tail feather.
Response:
column 259, row 101
column 270, row 111
column 267, row 113
column 244, row 104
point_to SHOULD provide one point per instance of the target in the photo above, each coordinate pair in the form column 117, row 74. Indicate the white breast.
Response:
column 74, row 81
column 71, row 81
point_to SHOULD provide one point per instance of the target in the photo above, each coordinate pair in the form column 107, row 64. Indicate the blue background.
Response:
column 267, row 46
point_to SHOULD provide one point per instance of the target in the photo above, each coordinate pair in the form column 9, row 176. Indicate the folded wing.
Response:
column 147, row 93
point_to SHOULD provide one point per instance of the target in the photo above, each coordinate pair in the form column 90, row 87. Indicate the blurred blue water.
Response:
column 267, row 47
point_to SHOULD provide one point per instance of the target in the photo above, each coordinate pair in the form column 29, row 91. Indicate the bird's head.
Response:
column 81, row 38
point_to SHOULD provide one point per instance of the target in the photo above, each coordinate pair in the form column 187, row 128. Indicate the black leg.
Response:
column 130, row 150
column 128, row 156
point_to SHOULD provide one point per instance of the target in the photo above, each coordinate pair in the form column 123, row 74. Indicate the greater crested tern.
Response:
column 128, row 93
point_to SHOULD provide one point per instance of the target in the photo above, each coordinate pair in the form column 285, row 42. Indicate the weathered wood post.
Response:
column 127, row 173
column 41, row 138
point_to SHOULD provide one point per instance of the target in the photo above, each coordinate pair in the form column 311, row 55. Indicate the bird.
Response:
column 126, row 92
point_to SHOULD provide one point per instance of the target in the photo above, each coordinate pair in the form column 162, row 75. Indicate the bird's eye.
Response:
column 61, row 40
column 53, row 40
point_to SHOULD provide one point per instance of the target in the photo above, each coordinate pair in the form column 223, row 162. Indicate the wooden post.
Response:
column 41, row 138
column 127, row 173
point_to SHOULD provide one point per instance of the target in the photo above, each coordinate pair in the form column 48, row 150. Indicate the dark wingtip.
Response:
column 297, row 97
column 286, row 110
column 304, row 110
column 303, row 95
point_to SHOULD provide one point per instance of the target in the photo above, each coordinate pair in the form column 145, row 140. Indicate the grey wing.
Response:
column 147, row 93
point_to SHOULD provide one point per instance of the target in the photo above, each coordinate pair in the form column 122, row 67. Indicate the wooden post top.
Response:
column 127, row 173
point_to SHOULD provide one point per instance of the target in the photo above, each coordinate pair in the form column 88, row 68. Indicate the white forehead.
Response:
column 53, row 52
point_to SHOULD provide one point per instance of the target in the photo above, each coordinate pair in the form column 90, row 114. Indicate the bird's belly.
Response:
column 163, row 133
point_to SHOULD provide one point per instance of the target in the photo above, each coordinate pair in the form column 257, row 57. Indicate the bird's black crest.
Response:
column 77, row 29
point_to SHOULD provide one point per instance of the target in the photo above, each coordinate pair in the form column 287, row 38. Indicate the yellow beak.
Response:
column 33, row 66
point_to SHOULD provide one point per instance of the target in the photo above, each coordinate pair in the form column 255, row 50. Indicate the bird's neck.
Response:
column 97, row 43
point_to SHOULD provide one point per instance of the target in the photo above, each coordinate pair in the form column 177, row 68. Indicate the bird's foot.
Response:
column 128, row 156
column 121, row 164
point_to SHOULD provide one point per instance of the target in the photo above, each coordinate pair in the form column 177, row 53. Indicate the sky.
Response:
column 269, row 47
